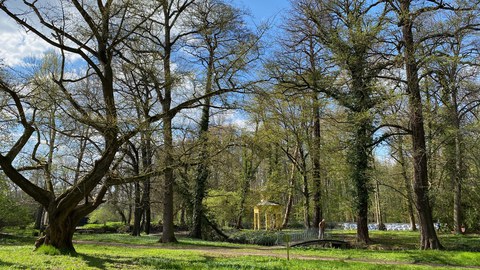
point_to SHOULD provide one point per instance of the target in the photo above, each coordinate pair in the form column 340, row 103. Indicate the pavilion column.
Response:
column 266, row 220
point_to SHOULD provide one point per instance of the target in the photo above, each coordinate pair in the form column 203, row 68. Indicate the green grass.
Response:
column 118, row 238
column 108, row 257
column 392, row 250
column 100, row 226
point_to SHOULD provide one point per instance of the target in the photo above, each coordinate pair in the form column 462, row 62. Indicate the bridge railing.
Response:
column 308, row 234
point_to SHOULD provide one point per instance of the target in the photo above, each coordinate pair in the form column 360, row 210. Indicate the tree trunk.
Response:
column 130, row 207
column 137, row 215
column 428, row 239
column 60, row 235
column 147, row 163
column 137, row 202
column 408, row 185
column 455, row 166
column 168, row 233
column 359, row 155
column 202, row 169
column 455, row 169
column 39, row 218
column 148, row 219
column 200, row 186
column 306, row 202
column 291, row 191
column 248, row 174
column 183, row 213
column 62, row 224
column 305, row 187
column 317, row 184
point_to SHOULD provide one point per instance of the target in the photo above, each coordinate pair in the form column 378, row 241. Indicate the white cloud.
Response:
column 234, row 118
column 18, row 45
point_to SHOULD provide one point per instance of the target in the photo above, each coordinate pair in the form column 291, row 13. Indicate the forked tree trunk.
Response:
column 61, row 226
column 59, row 234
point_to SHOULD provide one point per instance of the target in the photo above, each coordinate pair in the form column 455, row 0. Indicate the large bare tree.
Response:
column 94, row 32
column 101, row 34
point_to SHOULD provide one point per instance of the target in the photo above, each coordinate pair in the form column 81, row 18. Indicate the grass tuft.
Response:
column 53, row 251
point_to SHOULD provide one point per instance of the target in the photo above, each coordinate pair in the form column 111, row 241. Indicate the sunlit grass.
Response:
column 109, row 257
column 391, row 250
column 118, row 238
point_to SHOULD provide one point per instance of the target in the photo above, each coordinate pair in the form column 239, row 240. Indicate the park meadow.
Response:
column 239, row 134
column 391, row 250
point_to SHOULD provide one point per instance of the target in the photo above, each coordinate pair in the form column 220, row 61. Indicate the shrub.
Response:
column 108, row 227
column 264, row 238
column 104, row 214
column 12, row 212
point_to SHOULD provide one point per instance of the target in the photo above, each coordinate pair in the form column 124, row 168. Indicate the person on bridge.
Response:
column 321, row 229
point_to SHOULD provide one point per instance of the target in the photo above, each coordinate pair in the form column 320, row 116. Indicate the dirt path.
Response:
column 274, row 252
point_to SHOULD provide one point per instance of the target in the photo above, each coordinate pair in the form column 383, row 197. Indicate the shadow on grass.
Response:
column 10, row 265
column 429, row 258
column 97, row 262
column 13, row 240
column 469, row 242
column 206, row 262
column 202, row 243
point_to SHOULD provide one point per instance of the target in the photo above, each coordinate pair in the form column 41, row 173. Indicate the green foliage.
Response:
column 50, row 250
column 105, row 227
column 104, row 214
column 223, row 205
column 12, row 212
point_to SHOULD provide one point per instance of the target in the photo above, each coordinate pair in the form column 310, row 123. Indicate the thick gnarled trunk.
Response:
column 59, row 234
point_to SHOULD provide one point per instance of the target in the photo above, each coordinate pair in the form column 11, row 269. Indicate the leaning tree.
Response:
column 94, row 33
column 93, row 40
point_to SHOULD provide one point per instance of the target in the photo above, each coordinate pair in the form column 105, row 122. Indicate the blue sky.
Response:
column 263, row 10
column 17, row 44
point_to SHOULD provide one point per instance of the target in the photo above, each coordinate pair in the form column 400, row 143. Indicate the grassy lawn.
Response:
column 391, row 251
